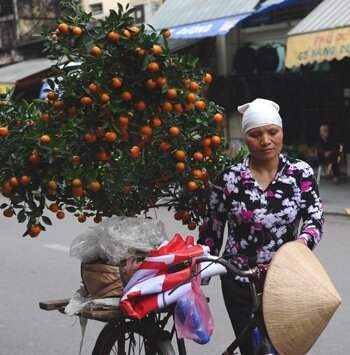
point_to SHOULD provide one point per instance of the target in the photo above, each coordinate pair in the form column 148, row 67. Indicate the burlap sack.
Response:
column 101, row 280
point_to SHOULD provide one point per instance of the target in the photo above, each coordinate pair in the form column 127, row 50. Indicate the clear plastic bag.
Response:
column 193, row 319
column 118, row 238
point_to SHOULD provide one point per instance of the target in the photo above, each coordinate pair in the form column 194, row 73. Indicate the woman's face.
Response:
column 264, row 143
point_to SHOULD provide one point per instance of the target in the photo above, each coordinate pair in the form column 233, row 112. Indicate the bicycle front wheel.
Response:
column 131, row 338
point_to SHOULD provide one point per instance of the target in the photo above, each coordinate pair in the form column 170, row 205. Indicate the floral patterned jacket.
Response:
column 258, row 221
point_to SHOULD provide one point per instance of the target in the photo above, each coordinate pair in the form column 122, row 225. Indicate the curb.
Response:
column 342, row 214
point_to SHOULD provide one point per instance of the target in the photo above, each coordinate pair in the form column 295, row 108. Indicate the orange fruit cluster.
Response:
column 127, row 126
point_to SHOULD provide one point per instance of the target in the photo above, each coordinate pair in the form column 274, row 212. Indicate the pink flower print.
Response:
column 247, row 215
column 245, row 175
column 270, row 193
column 237, row 246
column 312, row 231
column 257, row 226
column 226, row 191
column 305, row 185
column 260, row 250
column 243, row 259
column 209, row 243
column 290, row 171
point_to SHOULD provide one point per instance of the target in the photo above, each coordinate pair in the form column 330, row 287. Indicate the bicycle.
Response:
column 149, row 336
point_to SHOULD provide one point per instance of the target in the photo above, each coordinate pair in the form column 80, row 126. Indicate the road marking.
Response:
column 59, row 247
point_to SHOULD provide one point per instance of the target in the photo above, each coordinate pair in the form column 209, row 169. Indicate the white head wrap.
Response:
column 259, row 112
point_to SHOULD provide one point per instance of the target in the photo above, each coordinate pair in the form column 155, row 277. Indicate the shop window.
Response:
column 139, row 13
column 96, row 9
column 6, row 8
column 7, row 38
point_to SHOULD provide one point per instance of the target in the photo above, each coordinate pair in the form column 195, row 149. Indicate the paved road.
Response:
column 41, row 269
column 336, row 198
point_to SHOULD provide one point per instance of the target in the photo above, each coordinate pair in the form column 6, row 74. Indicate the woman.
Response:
column 263, row 198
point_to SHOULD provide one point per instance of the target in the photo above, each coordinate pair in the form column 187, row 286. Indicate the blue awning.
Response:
column 203, row 29
column 206, row 18
column 275, row 4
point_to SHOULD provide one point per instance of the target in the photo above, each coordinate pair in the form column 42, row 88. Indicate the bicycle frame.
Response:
column 155, row 323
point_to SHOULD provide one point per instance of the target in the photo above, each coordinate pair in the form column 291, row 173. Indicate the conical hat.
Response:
column 299, row 299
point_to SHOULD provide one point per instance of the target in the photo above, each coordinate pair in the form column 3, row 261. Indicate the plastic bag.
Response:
column 118, row 238
column 193, row 319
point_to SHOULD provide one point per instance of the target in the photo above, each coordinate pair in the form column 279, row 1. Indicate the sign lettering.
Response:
column 317, row 47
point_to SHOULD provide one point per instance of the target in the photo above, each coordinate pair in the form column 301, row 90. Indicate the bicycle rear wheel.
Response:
column 131, row 338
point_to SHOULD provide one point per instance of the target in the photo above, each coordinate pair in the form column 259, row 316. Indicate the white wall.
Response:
column 140, row 2
column 106, row 6
column 150, row 6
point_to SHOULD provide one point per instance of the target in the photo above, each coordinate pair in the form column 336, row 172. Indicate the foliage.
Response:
column 108, row 140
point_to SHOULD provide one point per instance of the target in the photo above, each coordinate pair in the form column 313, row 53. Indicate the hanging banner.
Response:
column 318, row 46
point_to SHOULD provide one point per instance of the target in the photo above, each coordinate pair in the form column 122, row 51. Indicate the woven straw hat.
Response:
column 299, row 299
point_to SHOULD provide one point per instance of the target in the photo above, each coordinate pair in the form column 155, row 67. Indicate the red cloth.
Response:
column 146, row 290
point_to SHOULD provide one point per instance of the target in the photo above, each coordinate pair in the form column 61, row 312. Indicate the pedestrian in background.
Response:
column 328, row 153
column 263, row 199
column 346, row 144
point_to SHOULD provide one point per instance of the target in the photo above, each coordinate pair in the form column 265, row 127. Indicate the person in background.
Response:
column 346, row 141
column 262, row 199
column 328, row 153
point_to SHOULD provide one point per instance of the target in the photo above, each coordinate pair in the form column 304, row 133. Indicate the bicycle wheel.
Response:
column 131, row 338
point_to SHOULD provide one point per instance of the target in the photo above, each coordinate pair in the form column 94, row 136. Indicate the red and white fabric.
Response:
column 149, row 288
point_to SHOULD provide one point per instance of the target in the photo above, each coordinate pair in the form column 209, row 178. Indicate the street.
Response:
column 42, row 269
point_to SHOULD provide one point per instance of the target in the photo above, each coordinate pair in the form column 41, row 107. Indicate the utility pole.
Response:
column 15, row 12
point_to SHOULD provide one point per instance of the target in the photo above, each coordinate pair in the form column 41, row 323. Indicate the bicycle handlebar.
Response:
column 178, row 266
column 213, row 259
column 229, row 267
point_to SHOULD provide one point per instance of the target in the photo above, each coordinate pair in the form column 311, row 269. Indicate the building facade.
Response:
column 100, row 8
column 20, row 24
column 145, row 9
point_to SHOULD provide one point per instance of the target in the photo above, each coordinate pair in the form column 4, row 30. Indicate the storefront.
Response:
column 322, row 40
column 25, row 77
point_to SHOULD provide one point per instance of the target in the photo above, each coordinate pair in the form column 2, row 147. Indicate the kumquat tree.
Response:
column 124, row 128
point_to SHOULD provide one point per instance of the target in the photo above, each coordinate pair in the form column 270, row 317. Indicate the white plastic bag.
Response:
column 117, row 238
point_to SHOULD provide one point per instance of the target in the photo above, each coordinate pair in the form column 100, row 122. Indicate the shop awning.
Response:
column 206, row 18
column 275, row 4
column 322, row 35
column 11, row 74
column 211, row 28
column 176, row 44
column 201, row 18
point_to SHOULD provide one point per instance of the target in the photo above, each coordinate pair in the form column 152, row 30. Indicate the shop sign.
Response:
column 318, row 46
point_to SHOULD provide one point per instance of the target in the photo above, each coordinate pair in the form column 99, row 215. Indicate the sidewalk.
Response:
column 335, row 198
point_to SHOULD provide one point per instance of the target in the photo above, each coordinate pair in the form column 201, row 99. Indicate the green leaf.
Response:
column 71, row 209
column 21, row 216
column 47, row 220
column 17, row 199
